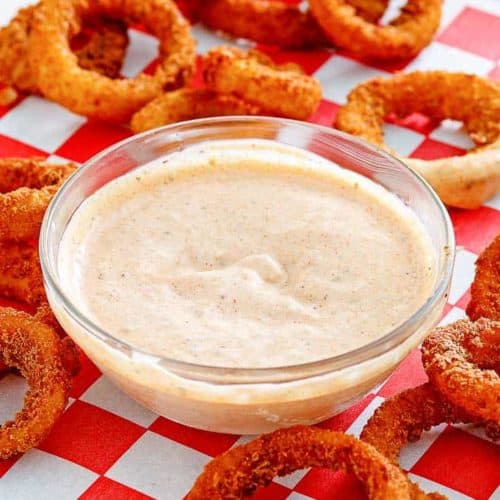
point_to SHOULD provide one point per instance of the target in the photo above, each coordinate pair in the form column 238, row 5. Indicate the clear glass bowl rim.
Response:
column 202, row 372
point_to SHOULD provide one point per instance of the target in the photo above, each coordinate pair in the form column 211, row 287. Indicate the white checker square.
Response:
column 357, row 426
column 475, row 430
column 402, row 140
column 297, row 496
column 494, row 202
column 446, row 58
column 44, row 476
column 450, row 11
column 430, row 486
column 496, row 494
column 340, row 75
column 105, row 395
column 293, row 479
column 463, row 274
column 12, row 391
column 142, row 50
column 207, row 39
column 29, row 123
column 60, row 160
column 453, row 315
column 412, row 453
column 155, row 465
column 452, row 132
column 9, row 9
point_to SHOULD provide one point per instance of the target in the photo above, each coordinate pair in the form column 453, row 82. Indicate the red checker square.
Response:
column 410, row 373
column 10, row 147
column 87, row 375
column 107, row 489
column 91, row 138
column 494, row 74
column 325, row 114
column 344, row 420
column 474, row 31
column 307, row 60
column 415, row 121
column 209, row 443
column 324, row 484
column 5, row 465
column 463, row 462
column 273, row 491
column 151, row 67
column 430, row 149
column 197, row 80
column 475, row 229
column 91, row 437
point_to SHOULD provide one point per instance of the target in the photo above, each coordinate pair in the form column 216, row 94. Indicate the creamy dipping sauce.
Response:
column 245, row 254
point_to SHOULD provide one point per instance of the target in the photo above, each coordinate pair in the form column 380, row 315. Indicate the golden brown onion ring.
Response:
column 26, row 188
column 403, row 38
column 94, row 95
column 464, row 181
column 36, row 351
column 188, row 104
column 276, row 23
column 253, row 77
column 485, row 289
column 103, row 51
column 241, row 470
column 462, row 361
column 403, row 418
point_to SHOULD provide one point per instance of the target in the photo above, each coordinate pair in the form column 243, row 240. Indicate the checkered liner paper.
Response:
column 106, row 446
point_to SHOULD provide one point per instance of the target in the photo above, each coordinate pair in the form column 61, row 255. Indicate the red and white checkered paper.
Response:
column 107, row 447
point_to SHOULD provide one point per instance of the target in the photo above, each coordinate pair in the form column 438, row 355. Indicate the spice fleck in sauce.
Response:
column 246, row 254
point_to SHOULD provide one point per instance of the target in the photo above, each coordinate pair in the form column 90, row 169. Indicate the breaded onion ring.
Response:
column 274, row 22
column 241, row 470
column 253, row 77
column 26, row 188
column 102, row 51
column 403, row 38
column 403, row 418
column 188, row 104
column 36, row 351
column 94, row 95
column 460, row 360
column 463, row 181
column 485, row 289
column 20, row 274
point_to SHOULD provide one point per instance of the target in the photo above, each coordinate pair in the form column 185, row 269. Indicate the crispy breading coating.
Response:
column 485, row 289
column 252, row 76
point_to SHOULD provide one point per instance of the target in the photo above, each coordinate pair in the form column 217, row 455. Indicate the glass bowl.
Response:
column 256, row 400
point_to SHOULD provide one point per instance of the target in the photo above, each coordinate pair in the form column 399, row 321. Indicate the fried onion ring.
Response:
column 462, row 361
column 253, row 77
column 94, row 95
column 36, row 351
column 276, row 23
column 26, row 188
column 403, row 38
column 403, row 418
column 461, row 181
column 188, row 104
column 20, row 274
column 103, row 51
column 485, row 289
column 241, row 470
